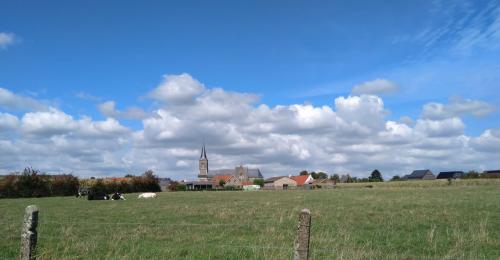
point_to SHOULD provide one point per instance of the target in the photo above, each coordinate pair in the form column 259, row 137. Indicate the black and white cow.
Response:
column 97, row 196
column 117, row 196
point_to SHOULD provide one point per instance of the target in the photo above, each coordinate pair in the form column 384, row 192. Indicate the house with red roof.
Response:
column 302, row 179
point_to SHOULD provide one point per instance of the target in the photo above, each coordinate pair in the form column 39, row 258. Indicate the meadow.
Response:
column 397, row 220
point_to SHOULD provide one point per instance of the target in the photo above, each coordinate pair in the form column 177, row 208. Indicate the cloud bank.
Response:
column 352, row 135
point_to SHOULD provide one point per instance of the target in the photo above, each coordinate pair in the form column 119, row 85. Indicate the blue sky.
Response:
column 76, row 55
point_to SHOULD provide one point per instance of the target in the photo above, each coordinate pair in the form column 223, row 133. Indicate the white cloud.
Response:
column 351, row 135
column 108, row 109
column 447, row 127
column 8, row 121
column 488, row 141
column 457, row 107
column 375, row 87
column 48, row 122
column 6, row 39
column 12, row 101
column 177, row 89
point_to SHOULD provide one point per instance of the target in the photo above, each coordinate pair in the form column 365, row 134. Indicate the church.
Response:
column 209, row 179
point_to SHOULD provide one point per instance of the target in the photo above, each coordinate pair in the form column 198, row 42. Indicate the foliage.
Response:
column 259, row 182
column 30, row 183
column 176, row 186
column 376, row 176
column 319, row 175
column 396, row 178
column 222, row 182
column 335, row 177
column 304, row 172
column 471, row 175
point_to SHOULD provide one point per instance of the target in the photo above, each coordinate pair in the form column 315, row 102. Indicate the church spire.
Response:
column 203, row 153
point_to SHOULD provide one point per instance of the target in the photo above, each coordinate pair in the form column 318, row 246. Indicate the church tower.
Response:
column 203, row 176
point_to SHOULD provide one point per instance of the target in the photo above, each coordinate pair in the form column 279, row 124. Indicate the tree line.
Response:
column 375, row 176
column 32, row 183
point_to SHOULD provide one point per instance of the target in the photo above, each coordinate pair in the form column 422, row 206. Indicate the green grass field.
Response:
column 404, row 220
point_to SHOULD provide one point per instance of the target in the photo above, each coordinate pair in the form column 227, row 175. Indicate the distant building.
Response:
column 164, row 183
column 492, row 174
column 279, row 183
column 450, row 175
column 303, row 179
column 209, row 179
column 420, row 175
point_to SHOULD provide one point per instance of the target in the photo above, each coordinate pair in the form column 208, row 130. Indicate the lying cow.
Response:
column 147, row 195
column 117, row 196
column 97, row 196
column 82, row 193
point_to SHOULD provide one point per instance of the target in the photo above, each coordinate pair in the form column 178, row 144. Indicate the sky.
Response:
column 111, row 88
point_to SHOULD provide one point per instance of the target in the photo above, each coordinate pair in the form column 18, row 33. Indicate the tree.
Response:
column 396, row 178
column 259, row 182
column 304, row 172
column 471, row 175
column 335, row 177
column 319, row 175
column 222, row 182
column 376, row 176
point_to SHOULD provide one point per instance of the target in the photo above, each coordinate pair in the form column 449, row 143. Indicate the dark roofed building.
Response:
column 492, row 174
column 421, row 175
column 450, row 175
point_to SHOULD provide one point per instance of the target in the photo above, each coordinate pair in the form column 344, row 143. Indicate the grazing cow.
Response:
column 147, row 195
column 82, row 192
column 97, row 196
column 117, row 196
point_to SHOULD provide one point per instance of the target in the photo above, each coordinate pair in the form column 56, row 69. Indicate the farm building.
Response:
column 450, row 175
column 492, row 174
column 420, row 175
column 279, row 183
column 217, row 179
column 302, row 179
column 199, row 185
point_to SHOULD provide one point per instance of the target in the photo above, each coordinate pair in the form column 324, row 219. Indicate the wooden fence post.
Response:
column 29, row 234
column 303, row 236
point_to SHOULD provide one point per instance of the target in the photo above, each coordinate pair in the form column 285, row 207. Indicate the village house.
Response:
column 302, row 180
column 210, row 179
column 279, row 183
column 492, row 174
column 420, row 175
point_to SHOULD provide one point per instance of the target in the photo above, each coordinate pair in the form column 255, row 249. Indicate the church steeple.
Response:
column 203, row 153
column 203, row 176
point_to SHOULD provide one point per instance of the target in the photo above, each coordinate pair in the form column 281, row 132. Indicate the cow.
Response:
column 117, row 196
column 82, row 192
column 97, row 196
column 147, row 195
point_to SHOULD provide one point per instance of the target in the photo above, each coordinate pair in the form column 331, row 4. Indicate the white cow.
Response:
column 147, row 195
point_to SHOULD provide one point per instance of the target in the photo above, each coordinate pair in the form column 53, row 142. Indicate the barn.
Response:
column 279, row 183
column 420, row 175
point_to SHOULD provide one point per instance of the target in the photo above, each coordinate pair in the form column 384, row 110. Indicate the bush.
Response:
column 259, row 182
column 33, row 184
column 175, row 186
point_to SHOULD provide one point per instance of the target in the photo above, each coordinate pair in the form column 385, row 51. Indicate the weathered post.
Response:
column 29, row 234
column 303, row 236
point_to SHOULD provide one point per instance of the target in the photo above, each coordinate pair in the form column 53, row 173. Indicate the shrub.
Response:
column 259, row 182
